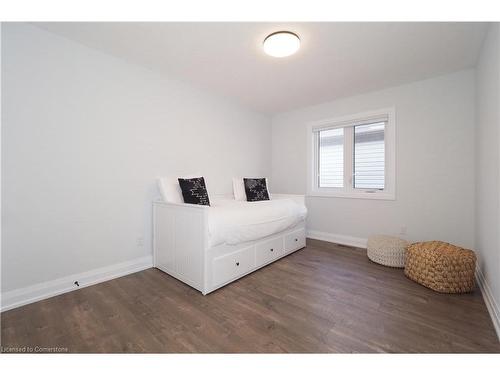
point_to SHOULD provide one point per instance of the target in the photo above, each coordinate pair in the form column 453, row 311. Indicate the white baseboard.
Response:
column 489, row 300
column 337, row 238
column 37, row 292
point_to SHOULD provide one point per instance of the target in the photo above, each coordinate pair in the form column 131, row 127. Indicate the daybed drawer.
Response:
column 230, row 266
column 295, row 240
column 268, row 250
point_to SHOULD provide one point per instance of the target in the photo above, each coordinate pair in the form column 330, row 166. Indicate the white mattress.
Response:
column 233, row 222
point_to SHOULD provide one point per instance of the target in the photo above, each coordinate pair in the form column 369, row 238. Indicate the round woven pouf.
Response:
column 387, row 250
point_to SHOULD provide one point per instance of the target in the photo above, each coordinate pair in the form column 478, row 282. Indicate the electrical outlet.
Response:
column 403, row 230
column 140, row 241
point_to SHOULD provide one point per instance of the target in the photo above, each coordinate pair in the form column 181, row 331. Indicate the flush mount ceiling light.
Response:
column 281, row 44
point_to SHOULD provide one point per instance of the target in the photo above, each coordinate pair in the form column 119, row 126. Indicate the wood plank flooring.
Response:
column 325, row 298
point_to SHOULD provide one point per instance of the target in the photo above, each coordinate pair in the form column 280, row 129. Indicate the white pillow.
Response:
column 171, row 191
column 239, row 188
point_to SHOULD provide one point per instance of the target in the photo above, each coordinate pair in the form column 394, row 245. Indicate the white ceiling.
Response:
column 335, row 59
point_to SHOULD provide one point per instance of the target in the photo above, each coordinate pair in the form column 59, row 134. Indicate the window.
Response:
column 353, row 156
column 369, row 156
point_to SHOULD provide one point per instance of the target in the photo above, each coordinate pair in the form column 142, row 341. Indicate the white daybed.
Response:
column 200, row 246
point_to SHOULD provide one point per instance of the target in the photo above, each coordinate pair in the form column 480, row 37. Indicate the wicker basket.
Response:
column 441, row 266
column 387, row 250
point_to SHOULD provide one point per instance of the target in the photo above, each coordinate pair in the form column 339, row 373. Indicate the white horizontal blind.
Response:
column 369, row 156
column 331, row 158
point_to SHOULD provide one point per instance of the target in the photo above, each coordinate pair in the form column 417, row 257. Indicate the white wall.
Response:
column 84, row 136
column 488, row 165
column 435, row 163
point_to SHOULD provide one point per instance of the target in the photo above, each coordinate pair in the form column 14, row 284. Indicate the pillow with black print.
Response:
column 256, row 189
column 194, row 191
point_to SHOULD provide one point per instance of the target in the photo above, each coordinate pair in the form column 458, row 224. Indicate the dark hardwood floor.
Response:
column 324, row 298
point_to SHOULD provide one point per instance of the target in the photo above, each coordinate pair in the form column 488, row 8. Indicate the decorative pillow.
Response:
column 239, row 189
column 171, row 191
column 256, row 189
column 194, row 190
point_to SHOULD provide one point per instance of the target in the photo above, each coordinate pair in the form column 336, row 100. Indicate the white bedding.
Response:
column 233, row 222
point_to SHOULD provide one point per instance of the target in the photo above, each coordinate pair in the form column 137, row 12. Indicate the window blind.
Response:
column 369, row 156
column 331, row 158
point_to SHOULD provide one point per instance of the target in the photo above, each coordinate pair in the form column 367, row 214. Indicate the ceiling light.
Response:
column 281, row 44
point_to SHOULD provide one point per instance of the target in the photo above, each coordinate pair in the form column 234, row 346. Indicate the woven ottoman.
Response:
column 387, row 250
column 441, row 266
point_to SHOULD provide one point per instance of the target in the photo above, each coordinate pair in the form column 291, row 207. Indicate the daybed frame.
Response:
column 180, row 247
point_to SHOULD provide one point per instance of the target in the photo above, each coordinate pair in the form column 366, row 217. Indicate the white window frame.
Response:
column 348, row 191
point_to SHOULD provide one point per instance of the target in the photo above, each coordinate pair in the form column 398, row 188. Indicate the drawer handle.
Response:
column 272, row 249
column 237, row 263
column 296, row 239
